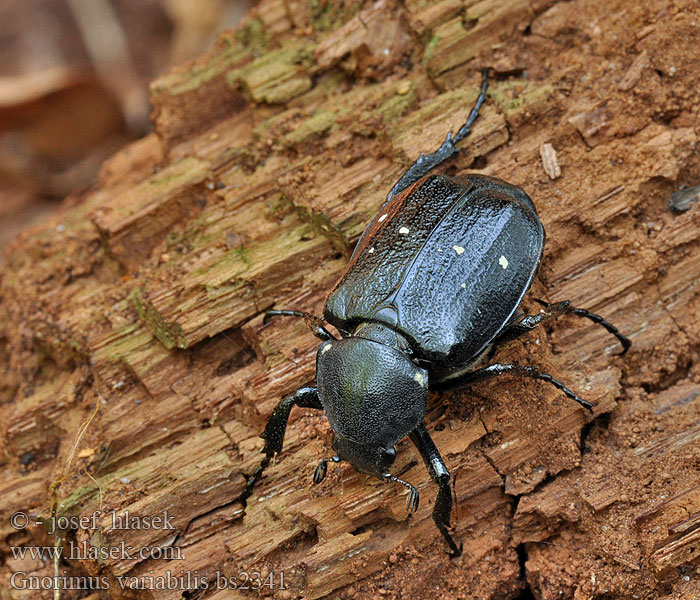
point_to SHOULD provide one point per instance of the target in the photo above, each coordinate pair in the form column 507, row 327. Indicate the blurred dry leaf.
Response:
column 74, row 78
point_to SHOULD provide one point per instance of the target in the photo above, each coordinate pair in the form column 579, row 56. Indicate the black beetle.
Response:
column 433, row 286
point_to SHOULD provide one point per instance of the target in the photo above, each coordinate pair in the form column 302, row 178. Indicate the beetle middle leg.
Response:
column 314, row 323
column 529, row 322
column 440, row 475
column 498, row 369
column 306, row 397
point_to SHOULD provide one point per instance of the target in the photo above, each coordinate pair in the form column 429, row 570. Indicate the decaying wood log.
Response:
column 143, row 300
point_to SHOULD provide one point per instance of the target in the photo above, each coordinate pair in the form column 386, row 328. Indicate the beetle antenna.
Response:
column 413, row 497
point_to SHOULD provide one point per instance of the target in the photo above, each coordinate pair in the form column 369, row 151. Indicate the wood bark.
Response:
column 138, row 373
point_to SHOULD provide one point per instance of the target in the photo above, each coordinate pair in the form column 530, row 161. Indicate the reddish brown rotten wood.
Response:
column 269, row 156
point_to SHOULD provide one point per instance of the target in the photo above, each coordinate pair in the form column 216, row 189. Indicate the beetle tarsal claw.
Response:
column 321, row 469
column 413, row 501
column 586, row 404
column 320, row 472
column 413, row 496
column 455, row 553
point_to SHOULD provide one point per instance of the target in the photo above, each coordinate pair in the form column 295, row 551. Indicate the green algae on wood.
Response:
column 228, row 53
column 516, row 95
column 318, row 123
column 254, row 35
column 436, row 113
column 226, row 290
column 323, row 226
column 327, row 16
column 133, row 223
column 170, row 335
column 453, row 44
column 279, row 75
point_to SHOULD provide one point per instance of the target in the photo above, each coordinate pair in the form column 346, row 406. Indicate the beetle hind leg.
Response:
column 529, row 322
column 427, row 162
column 440, row 475
column 275, row 429
column 466, row 129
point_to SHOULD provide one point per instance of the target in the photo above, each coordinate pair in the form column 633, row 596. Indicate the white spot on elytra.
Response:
column 403, row 230
column 420, row 379
column 463, row 286
column 458, row 249
column 384, row 216
column 370, row 251
column 503, row 261
column 325, row 348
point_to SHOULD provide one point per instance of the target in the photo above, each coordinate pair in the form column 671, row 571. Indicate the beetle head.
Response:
column 373, row 396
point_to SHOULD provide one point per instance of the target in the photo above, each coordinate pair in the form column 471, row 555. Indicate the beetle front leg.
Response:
column 306, row 397
column 440, row 475
column 529, row 322
column 426, row 163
